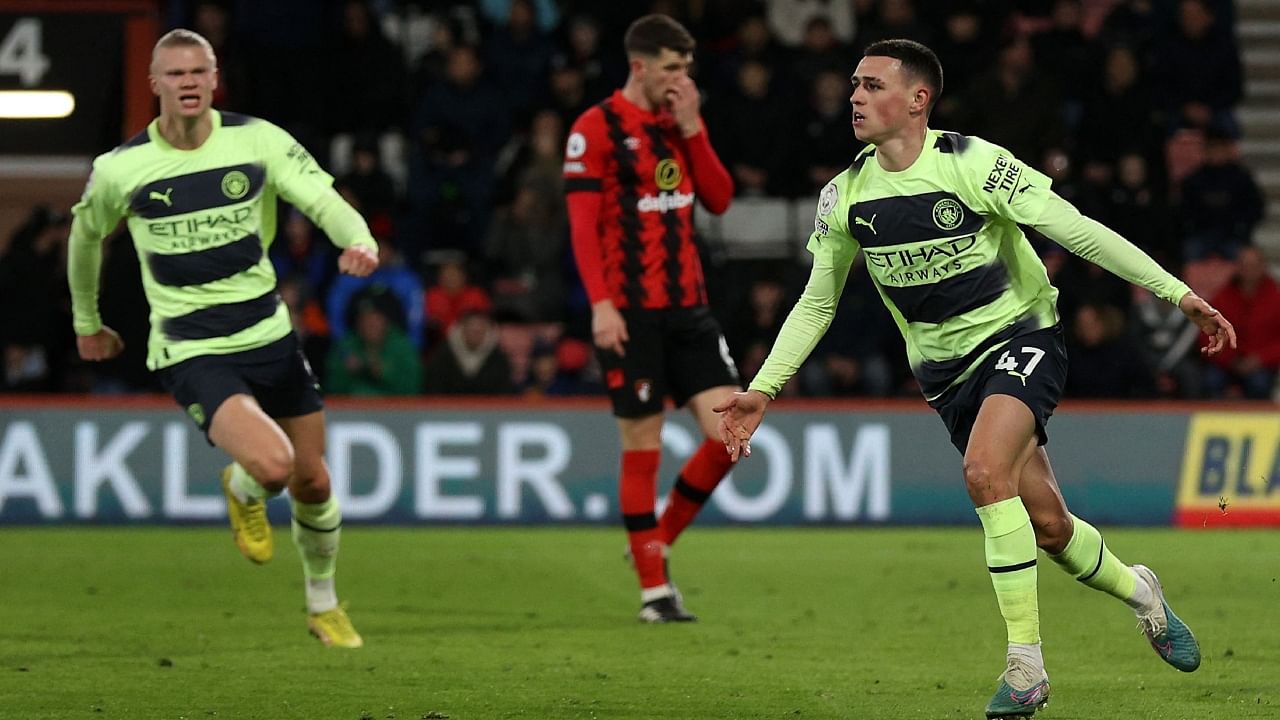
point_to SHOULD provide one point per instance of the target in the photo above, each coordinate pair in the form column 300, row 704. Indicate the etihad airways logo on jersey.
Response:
column 903, row 264
column 664, row 202
column 192, row 225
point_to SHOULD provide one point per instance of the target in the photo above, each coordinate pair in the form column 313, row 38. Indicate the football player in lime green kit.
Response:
column 936, row 215
column 198, row 191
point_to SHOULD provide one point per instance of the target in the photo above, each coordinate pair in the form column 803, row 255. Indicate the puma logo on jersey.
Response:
column 162, row 197
column 869, row 223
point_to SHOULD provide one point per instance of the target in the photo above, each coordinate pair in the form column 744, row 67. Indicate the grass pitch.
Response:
column 461, row 623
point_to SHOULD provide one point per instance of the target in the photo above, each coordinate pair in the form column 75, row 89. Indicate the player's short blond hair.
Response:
column 182, row 37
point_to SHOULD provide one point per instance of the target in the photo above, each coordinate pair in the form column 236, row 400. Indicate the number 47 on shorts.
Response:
column 1009, row 362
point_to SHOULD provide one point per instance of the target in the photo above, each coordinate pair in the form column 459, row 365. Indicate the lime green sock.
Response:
column 245, row 487
column 1011, row 560
column 316, row 530
column 1088, row 560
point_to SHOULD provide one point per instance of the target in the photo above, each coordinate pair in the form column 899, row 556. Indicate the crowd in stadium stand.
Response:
column 444, row 123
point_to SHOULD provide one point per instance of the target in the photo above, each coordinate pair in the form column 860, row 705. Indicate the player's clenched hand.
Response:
column 608, row 329
column 684, row 100
column 1210, row 321
column 358, row 260
column 740, row 415
column 102, row 345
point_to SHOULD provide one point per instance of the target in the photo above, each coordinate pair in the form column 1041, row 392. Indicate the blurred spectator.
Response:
column 1104, row 362
column 376, row 359
column 754, row 41
column 373, row 190
column 394, row 280
column 451, row 295
column 300, row 252
column 533, row 160
column 35, row 304
column 544, row 14
column 789, row 19
column 367, row 81
column 850, row 359
column 524, row 252
column 1138, row 211
column 1119, row 114
column 567, row 93
column 894, row 19
column 518, row 55
column 211, row 19
column 749, row 129
column 603, row 68
column 559, row 369
column 1199, row 64
column 820, row 51
column 825, row 142
column 965, row 50
column 1252, row 302
column 458, row 128
column 1221, row 203
column 1133, row 23
column 753, row 329
column 308, row 320
column 469, row 361
column 1170, row 344
column 1012, row 106
column 1061, row 51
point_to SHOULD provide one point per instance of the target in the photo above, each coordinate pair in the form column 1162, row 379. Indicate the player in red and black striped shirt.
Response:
column 633, row 166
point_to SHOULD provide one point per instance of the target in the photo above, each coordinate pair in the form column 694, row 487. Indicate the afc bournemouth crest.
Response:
column 644, row 390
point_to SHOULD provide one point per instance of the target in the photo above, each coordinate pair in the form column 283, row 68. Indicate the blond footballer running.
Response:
column 198, row 191
column 936, row 215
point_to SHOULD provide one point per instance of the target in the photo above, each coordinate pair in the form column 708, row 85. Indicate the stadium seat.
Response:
column 756, row 228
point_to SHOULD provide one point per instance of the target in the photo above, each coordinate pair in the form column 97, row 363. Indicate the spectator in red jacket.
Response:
column 1253, row 299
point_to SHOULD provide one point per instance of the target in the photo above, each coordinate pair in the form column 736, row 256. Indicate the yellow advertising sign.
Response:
column 1231, row 471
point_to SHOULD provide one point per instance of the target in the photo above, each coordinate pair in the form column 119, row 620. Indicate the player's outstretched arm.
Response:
column 102, row 345
column 740, row 415
column 1210, row 321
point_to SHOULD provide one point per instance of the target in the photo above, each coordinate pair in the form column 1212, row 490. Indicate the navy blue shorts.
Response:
column 678, row 352
column 1032, row 368
column 278, row 376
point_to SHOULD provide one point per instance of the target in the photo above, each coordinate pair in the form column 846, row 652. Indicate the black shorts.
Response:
column 278, row 376
column 678, row 352
column 1032, row 368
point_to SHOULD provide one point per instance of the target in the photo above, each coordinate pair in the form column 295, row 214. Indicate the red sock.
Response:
column 639, row 485
column 705, row 469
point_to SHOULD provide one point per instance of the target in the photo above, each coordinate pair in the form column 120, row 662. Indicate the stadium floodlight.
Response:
column 36, row 104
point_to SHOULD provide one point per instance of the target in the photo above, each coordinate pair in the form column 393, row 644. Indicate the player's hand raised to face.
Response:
column 102, row 345
column 1220, row 332
column 685, row 102
column 358, row 260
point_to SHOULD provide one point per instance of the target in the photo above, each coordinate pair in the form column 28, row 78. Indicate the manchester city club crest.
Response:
column 235, row 185
column 948, row 214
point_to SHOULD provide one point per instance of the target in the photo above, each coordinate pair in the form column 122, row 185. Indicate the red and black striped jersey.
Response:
column 631, row 179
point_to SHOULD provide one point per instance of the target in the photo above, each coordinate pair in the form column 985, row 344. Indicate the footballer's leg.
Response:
column 1000, row 443
column 1078, row 548
column 638, row 484
column 704, row 469
column 263, row 463
column 316, row 530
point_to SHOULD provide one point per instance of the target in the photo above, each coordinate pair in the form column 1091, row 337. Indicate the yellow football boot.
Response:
column 249, row 523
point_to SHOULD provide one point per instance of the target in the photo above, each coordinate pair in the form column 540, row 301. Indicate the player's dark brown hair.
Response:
column 651, row 33
column 916, row 59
